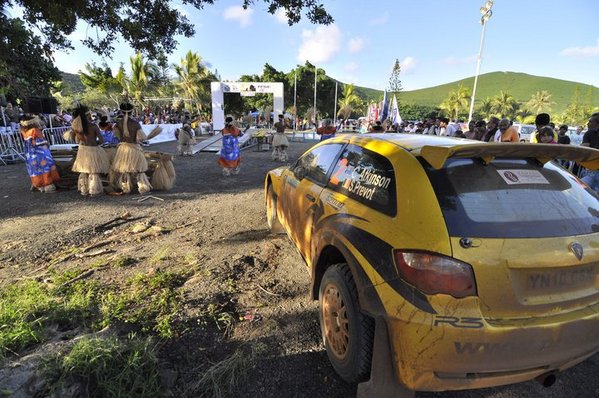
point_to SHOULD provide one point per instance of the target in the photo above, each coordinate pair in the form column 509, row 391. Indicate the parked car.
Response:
column 525, row 131
column 442, row 263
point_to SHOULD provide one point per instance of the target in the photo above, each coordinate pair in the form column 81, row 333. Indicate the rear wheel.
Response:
column 272, row 219
column 347, row 333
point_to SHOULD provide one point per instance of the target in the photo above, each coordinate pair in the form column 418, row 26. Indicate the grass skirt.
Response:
column 164, row 176
column 280, row 139
column 91, row 160
column 129, row 158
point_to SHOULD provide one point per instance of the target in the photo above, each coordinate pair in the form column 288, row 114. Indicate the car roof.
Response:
column 436, row 150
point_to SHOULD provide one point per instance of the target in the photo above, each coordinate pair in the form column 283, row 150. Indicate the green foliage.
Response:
column 457, row 102
column 26, row 308
column 224, row 378
column 151, row 303
column 26, row 68
column 109, row 367
column 394, row 80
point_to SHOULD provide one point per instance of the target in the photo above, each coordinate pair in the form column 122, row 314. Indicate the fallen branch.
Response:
column 265, row 291
column 94, row 253
column 83, row 275
column 150, row 197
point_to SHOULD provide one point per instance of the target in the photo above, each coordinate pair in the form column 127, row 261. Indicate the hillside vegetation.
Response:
column 520, row 85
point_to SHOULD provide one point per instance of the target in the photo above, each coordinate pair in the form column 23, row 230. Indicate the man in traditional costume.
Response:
column 129, row 163
column 91, row 159
column 280, row 142
column 230, row 154
column 38, row 159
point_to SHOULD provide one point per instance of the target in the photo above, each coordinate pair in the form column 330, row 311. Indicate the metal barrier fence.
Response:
column 12, row 145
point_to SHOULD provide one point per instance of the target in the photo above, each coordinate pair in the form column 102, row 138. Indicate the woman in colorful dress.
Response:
column 38, row 159
column 91, row 159
column 230, row 154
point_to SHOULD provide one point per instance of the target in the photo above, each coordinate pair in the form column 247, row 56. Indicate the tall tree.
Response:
column 394, row 81
column 190, row 75
column 142, row 73
column 100, row 78
column 26, row 69
column 485, row 107
column 348, row 102
column 456, row 102
column 149, row 26
column 540, row 102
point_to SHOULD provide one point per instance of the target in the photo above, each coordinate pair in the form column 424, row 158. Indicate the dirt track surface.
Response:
column 218, row 233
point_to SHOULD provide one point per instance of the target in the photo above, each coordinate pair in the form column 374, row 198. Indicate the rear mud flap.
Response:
column 382, row 383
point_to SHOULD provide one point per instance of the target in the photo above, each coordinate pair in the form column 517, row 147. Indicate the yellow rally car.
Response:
column 443, row 263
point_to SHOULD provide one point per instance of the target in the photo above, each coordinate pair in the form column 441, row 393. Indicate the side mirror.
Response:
column 299, row 172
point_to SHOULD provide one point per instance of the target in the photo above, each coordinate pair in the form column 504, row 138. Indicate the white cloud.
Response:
column 237, row 13
column 382, row 20
column 320, row 45
column 459, row 61
column 408, row 64
column 588, row 51
column 281, row 17
column 351, row 67
column 356, row 45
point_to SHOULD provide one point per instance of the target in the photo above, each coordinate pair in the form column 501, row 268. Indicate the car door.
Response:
column 301, row 192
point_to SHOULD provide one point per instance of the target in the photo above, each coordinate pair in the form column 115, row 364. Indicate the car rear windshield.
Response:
column 513, row 198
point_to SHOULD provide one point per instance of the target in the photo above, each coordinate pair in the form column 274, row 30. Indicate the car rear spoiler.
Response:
column 436, row 156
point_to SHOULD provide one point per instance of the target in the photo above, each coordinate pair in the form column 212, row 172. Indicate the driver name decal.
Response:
column 515, row 176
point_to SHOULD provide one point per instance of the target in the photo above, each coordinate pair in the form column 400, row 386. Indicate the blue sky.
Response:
column 436, row 41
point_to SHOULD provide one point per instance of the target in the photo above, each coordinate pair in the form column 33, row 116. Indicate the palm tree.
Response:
column 348, row 102
column 457, row 102
column 141, row 76
column 505, row 105
column 190, row 75
column 540, row 102
column 486, row 107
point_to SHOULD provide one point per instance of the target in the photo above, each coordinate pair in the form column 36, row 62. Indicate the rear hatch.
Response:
column 530, row 231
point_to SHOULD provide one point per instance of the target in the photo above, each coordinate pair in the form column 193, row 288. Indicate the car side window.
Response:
column 318, row 162
column 367, row 177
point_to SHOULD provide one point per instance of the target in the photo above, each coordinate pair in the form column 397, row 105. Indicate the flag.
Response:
column 394, row 116
column 384, row 107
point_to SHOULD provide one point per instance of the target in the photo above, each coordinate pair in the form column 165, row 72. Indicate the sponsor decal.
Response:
column 479, row 348
column 362, row 182
column 514, row 176
column 336, row 204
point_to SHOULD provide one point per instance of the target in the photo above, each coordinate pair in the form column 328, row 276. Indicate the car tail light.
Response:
column 433, row 273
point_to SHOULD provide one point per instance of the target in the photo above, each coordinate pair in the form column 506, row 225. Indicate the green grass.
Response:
column 151, row 302
column 224, row 378
column 108, row 367
column 26, row 308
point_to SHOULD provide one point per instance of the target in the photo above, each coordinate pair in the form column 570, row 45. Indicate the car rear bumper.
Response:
column 429, row 356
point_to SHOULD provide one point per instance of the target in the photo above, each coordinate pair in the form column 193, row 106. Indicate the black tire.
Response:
column 272, row 219
column 347, row 333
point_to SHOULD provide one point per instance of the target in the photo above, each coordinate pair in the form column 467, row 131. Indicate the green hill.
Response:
column 72, row 83
column 520, row 85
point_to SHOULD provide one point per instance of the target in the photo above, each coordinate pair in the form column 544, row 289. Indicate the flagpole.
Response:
column 315, row 74
column 335, row 112
column 294, row 102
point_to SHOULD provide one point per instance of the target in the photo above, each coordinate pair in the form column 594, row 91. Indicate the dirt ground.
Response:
column 218, row 233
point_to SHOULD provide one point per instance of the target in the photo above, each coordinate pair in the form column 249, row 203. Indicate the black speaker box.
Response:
column 40, row 105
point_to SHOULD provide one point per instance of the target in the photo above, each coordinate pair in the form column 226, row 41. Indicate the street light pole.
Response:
column 486, row 14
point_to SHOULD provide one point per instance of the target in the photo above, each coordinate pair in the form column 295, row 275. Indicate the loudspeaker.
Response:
column 40, row 105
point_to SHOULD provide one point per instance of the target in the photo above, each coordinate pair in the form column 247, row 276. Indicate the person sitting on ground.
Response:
column 327, row 130
column 91, row 160
column 280, row 142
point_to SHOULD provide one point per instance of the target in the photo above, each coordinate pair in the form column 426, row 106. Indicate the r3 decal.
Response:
column 463, row 323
